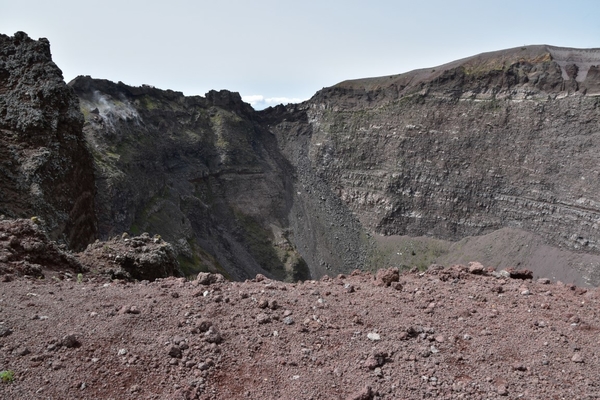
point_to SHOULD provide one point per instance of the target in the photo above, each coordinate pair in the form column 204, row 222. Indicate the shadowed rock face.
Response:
column 198, row 171
column 45, row 168
column 504, row 139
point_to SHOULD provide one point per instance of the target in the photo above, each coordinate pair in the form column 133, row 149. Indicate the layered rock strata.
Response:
column 504, row 139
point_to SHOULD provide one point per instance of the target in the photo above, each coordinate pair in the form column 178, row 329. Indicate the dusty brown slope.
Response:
column 446, row 334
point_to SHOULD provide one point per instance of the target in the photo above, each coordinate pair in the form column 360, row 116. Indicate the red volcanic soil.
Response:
column 453, row 333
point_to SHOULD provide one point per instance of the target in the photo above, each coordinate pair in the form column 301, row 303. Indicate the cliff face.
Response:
column 198, row 171
column 45, row 168
column 492, row 157
column 504, row 139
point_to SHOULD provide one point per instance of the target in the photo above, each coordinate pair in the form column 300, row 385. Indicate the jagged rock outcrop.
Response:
column 139, row 257
column 199, row 171
column 45, row 168
column 26, row 250
column 503, row 139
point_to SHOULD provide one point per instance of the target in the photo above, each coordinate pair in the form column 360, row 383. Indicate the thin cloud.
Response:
column 258, row 102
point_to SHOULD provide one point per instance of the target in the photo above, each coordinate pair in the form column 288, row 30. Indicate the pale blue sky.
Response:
column 285, row 49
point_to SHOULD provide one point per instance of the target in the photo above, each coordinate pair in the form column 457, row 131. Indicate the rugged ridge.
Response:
column 503, row 139
column 45, row 167
column 492, row 157
column 205, row 174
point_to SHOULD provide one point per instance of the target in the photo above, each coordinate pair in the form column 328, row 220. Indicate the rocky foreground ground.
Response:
column 461, row 332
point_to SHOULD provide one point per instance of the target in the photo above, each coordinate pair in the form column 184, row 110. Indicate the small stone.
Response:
column 4, row 331
column 349, row 288
column 375, row 360
column 263, row 318
column 133, row 310
column 519, row 367
column 22, row 351
column 476, row 268
column 273, row 304
column 263, row 303
column 544, row 281
column 577, row 358
column 70, row 341
column 203, row 366
column 504, row 274
column 525, row 292
column 365, row 394
column 288, row 320
column 122, row 352
column 373, row 336
column 213, row 336
column 501, row 390
column 204, row 278
column 519, row 273
column 204, row 325
column 385, row 277
column 129, row 309
column 175, row 352
column 56, row 365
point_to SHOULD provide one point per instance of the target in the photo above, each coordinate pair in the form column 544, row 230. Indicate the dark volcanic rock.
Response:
column 45, row 167
column 198, row 171
column 140, row 257
column 26, row 250
column 520, row 273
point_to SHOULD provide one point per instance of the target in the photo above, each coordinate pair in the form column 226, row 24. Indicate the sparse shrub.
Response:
column 7, row 376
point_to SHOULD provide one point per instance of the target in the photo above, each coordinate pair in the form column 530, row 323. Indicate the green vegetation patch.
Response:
column 7, row 376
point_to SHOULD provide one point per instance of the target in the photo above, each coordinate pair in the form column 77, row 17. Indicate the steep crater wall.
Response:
column 205, row 174
column 505, row 139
